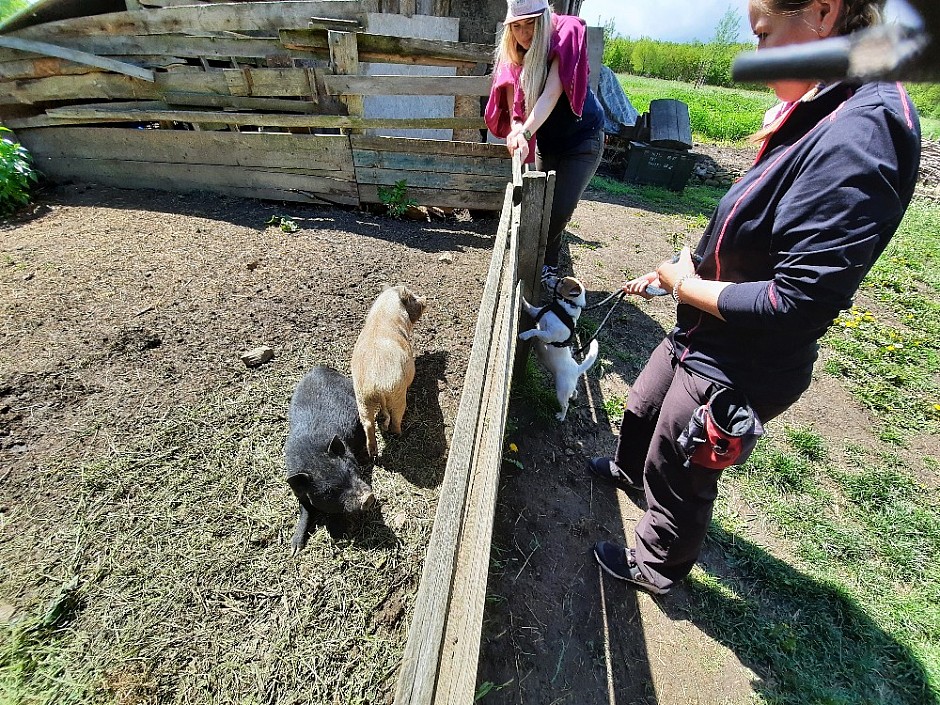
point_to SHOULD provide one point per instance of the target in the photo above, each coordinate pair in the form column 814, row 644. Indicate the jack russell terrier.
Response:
column 554, row 333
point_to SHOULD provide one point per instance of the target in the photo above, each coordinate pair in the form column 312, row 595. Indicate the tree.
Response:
column 728, row 31
column 716, row 59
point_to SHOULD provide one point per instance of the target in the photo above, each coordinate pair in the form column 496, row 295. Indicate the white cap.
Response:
column 523, row 9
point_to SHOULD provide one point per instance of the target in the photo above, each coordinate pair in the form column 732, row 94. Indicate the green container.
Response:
column 655, row 166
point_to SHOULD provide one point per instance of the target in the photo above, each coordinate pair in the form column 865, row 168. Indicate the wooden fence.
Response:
column 440, row 661
column 260, row 99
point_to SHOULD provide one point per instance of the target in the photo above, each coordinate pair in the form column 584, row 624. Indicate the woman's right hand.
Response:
column 517, row 142
column 638, row 286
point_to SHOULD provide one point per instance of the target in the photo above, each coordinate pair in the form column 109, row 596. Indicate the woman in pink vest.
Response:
column 541, row 103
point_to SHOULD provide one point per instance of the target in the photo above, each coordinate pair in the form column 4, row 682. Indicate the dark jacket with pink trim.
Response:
column 797, row 234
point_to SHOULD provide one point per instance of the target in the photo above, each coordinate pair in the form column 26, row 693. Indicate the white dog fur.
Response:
column 551, row 329
column 383, row 361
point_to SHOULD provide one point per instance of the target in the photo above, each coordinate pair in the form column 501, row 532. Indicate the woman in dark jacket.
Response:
column 784, row 253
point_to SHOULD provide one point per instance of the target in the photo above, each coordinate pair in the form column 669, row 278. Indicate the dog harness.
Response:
column 563, row 316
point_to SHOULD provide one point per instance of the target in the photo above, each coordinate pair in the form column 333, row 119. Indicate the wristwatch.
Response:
column 527, row 134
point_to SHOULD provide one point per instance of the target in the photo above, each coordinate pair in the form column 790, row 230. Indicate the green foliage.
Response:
column 395, row 198
column 926, row 97
column 16, row 174
column 891, row 361
column 8, row 8
column 717, row 114
column 284, row 222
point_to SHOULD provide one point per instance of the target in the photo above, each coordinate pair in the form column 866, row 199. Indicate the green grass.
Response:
column 716, row 114
column 890, row 360
column 930, row 128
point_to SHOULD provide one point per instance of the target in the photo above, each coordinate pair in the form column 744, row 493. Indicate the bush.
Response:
column 16, row 174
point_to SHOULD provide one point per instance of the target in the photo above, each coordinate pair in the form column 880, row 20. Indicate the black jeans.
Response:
column 574, row 169
column 680, row 497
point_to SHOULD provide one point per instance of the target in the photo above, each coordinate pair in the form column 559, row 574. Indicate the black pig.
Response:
column 320, row 453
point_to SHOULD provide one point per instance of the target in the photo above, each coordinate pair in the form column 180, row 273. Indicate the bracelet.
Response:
column 679, row 281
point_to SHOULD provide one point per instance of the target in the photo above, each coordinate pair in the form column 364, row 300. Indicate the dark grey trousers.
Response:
column 670, row 534
column 574, row 170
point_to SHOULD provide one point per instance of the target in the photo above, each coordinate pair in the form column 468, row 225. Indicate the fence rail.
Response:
column 265, row 69
column 439, row 665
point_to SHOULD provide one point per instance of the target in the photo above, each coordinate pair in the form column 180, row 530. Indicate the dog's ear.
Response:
column 572, row 288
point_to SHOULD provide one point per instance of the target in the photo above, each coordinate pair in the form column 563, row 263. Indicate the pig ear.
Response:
column 337, row 447
column 299, row 482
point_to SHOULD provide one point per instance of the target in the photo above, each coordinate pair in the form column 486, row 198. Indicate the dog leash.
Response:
column 619, row 296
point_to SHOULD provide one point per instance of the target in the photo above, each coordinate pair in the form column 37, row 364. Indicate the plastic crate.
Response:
column 655, row 166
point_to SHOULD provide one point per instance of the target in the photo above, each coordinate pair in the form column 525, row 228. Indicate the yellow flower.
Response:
column 513, row 448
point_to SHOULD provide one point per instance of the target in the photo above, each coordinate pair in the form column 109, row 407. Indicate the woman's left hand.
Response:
column 671, row 270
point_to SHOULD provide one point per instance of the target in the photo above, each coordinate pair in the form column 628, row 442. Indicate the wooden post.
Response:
column 534, row 215
column 344, row 58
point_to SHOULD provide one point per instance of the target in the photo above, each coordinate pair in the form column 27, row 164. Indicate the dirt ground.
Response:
column 141, row 458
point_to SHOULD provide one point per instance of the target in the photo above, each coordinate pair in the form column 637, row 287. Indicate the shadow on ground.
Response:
column 558, row 630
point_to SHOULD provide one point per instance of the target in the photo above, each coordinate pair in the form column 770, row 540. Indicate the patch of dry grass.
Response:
column 176, row 548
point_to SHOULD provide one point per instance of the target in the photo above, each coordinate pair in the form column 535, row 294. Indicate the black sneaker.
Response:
column 606, row 470
column 620, row 562
column 549, row 276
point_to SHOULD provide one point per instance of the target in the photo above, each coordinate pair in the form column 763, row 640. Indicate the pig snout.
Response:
column 360, row 497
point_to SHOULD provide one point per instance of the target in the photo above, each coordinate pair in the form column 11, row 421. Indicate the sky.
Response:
column 688, row 20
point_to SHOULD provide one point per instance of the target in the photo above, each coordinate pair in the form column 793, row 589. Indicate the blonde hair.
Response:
column 534, row 62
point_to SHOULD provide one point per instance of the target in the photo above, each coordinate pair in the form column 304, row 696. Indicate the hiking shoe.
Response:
column 620, row 562
column 605, row 469
column 549, row 276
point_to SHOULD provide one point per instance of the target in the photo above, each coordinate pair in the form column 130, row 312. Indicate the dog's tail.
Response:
column 589, row 359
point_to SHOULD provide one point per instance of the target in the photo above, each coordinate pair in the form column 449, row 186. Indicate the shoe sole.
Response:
column 619, row 484
column 645, row 587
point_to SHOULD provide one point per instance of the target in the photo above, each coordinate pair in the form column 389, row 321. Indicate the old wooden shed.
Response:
column 319, row 101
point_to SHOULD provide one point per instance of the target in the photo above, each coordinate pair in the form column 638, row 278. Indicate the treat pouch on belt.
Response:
column 722, row 432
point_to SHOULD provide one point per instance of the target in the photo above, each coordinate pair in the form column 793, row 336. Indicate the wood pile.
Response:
column 260, row 99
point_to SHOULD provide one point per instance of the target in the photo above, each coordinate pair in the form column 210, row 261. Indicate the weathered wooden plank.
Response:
column 44, row 67
column 421, row 659
column 279, row 105
column 396, row 50
column 258, row 82
column 432, row 163
column 105, row 112
column 244, row 182
column 41, row 67
column 344, row 58
column 423, row 179
column 93, row 86
column 530, row 228
column 456, row 683
column 323, row 155
column 193, row 19
column 79, row 57
column 172, row 45
column 477, row 200
column 409, row 85
column 420, row 146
